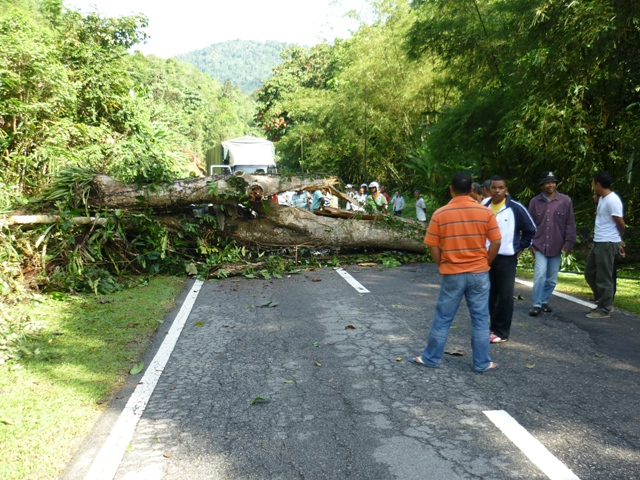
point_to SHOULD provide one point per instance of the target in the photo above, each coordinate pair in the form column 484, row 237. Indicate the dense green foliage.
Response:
column 243, row 63
column 73, row 103
column 70, row 94
column 509, row 87
column 354, row 108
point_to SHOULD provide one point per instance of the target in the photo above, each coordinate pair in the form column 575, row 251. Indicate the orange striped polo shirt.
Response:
column 461, row 229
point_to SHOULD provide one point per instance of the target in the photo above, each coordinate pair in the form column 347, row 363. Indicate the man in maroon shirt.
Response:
column 552, row 213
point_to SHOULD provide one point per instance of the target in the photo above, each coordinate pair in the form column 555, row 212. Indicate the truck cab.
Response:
column 249, row 154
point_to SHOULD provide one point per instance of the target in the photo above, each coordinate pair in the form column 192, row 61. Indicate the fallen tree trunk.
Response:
column 109, row 193
column 243, row 215
column 48, row 219
column 290, row 226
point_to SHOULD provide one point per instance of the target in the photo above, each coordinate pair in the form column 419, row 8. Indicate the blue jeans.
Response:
column 545, row 278
column 475, row 288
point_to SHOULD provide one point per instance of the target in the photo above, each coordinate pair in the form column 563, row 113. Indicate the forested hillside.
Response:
column 74, row 103
column 244, row 63
column 509, row 87
column 71, row 95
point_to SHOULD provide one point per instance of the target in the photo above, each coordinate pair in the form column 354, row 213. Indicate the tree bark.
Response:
column 243, row 214
column 216, row 189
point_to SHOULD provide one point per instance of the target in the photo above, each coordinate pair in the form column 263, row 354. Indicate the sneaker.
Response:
column 493, row 338
column 546, row 309
column 598, row 314
column 534, row 312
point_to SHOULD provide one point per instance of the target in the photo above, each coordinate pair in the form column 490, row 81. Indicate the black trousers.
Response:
column 503, row 278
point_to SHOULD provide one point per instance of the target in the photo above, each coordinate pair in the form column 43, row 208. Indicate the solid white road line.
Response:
column 351, row 281
column 108, row 459
column 532, row 448
column 579, row 301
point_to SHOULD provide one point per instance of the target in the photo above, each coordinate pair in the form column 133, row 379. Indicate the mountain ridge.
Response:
column 245, row 63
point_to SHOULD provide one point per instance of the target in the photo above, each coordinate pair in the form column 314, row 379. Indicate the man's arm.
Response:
column 494, row 247
column 619, row 224
column 527, row 229
column 570, row 231
column 436, row 254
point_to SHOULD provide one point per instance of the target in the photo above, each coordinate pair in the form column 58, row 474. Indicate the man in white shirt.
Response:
column 607, row 242
column 421, row 207
column 398, row 204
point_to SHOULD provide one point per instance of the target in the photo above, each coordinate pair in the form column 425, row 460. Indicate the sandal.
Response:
column 418, row 361
column 490, row 367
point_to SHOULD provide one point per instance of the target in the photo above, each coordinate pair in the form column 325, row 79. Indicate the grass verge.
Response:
column 575, row 284
column 84, row 350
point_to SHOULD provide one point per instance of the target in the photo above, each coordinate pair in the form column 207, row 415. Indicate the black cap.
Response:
column 547, row 177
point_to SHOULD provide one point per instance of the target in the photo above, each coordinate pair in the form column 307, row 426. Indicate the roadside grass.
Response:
column 575, row 284
column 86, row 346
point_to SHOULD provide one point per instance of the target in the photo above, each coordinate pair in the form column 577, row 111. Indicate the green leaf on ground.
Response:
column 259, row 400
column 137, row 368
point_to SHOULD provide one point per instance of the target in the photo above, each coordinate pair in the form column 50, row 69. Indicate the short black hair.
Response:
column 498, row 178
column 486, row 184
column 477, row 188
column 461, row 183
column 603, row 178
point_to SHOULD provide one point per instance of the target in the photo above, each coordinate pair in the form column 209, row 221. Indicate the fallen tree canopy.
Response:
column 244, row 213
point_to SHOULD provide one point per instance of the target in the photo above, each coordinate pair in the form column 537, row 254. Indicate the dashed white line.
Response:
column 530, row 446
column 108, row 459
column 584, row 303
column 351, row 281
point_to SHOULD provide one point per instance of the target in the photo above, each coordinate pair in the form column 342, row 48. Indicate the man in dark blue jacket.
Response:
column 517, row 229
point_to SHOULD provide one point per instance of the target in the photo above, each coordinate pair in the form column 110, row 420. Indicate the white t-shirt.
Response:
column 420, row 210
column 606, row 230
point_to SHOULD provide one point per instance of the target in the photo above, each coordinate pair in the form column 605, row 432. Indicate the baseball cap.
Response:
column 548, row 177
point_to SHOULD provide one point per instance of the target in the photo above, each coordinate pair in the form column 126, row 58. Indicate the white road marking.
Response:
column 108, row 459
column 351, row 281
column 532, row 448
column 579, row 301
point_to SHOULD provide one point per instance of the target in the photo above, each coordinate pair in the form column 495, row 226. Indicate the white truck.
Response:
column 250, row 154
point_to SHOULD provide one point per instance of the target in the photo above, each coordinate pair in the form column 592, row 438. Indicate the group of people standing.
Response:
column 477, row 250
column 376, row 199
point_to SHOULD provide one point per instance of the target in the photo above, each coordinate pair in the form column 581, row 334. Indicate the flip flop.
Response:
column 492, row 366
column 418, row 361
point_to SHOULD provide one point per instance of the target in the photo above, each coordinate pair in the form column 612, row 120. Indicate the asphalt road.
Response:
column 341, row 405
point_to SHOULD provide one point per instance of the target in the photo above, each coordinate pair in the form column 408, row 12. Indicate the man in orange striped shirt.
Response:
column 456, row 239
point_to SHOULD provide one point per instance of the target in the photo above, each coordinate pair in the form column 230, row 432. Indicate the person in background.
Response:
column 476, row 192
column 318, row 199
column 607, row 242
column 361, row 200
column 376, row 201
column 421, row 207
column 486, row 189
column 334, row 201
column 456, row 238
column 517, row 229
column 552, row 213
column 300, row 199
column 398, row 204
column 383, row 191
column 351, row 193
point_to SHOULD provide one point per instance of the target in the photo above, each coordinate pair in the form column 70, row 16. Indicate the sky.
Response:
column 183, row 26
